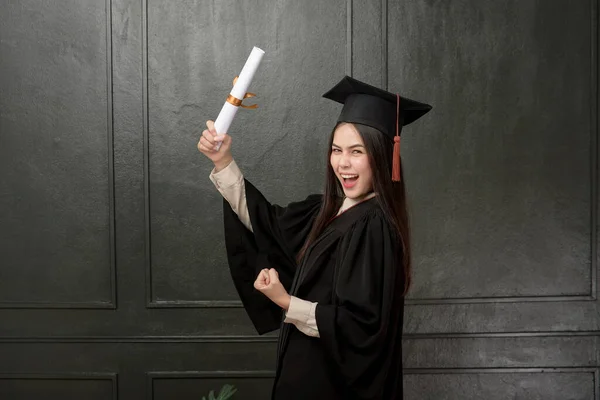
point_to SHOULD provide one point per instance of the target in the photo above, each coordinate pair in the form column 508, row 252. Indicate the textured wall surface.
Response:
column 113, row 277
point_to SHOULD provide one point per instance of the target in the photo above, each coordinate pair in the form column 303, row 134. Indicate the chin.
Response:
column 354, row 194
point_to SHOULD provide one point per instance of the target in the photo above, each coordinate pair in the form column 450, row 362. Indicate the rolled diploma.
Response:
column 225, row 117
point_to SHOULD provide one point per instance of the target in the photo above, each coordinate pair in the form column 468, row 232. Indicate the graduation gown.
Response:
column 352, row 271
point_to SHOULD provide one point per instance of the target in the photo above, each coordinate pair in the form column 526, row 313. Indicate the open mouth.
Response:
column 349, row 180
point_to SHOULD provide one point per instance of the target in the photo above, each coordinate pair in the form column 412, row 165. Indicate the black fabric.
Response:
column 279, row 233
column 368, row 105
column 352, row 271
column 360, row 330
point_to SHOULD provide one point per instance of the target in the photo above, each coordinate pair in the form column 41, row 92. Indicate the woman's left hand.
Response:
column 268, row 284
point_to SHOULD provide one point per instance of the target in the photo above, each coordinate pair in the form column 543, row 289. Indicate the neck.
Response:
column 365, row 196
column 348, row 202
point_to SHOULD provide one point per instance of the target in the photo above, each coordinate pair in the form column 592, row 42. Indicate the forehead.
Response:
column 347, row 135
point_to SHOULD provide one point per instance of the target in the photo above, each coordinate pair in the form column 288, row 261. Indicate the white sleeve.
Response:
column 230, row 183
column 302, row 314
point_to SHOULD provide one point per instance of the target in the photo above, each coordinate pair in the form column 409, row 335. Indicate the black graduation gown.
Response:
column 351, row 271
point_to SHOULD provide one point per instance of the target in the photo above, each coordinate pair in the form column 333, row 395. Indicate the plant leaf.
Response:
column 227, row 391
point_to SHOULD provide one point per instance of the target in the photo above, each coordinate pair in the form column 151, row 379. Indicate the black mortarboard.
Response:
column 368, row 105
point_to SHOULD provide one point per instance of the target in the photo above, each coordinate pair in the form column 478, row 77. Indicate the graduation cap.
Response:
column 387, row 112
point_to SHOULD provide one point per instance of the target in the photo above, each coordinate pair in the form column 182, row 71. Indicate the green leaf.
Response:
column 227, row 391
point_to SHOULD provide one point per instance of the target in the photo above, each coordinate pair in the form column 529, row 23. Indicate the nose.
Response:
column 344, row 161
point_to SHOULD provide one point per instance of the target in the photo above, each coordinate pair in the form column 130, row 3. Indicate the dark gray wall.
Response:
column 113, row 282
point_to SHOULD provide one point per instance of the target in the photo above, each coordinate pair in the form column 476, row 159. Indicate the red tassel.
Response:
column 396, row 155
column 396, row 160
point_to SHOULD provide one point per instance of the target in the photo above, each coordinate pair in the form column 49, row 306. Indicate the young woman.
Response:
column 332, row 270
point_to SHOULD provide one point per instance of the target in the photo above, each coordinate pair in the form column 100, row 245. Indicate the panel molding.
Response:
column 469, row 371
column 151, row 376
column 273, row 339
column 156, row 375
column 209, row 374
column 593, row 293
column 141, row 339
column 68, row 376
column 384, row 45
column 594, row 111
column 466, row 371
column 112, row 304
column 505, row 299
column 349, row 33
column 151, row 302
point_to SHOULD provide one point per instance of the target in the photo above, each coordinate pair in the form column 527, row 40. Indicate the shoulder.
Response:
column 300, row 210
column 375, row 221
column 371, row 240
column 368, row 219
column 311, row 202
column 314, row 199
column 367, row 215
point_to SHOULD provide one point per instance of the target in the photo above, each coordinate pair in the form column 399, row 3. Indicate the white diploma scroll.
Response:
column 238, row 93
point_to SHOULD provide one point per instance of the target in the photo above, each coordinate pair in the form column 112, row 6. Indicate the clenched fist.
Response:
column 268, row 284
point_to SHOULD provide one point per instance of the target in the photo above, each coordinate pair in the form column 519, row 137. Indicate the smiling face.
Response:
column 350, row 162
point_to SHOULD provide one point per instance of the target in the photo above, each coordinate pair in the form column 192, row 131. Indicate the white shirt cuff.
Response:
column 227, row 177
column 301, row 313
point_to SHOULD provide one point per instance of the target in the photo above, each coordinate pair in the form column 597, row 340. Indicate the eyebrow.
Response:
column 350, row 147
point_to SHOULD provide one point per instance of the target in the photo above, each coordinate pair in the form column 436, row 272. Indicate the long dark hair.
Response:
column 390, row 195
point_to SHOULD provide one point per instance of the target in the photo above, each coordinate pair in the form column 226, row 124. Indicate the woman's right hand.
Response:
column 207, row 146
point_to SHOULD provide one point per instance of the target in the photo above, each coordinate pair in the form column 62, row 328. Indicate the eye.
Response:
column 334, row 150
column 357, row 152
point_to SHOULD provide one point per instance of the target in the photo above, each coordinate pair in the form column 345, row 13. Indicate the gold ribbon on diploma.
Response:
column 237, row 102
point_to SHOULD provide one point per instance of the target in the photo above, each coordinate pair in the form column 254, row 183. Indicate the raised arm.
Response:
column 226, row 175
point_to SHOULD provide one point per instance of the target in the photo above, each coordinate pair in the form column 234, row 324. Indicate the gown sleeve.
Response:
column 277, row 236
column 359, row 330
